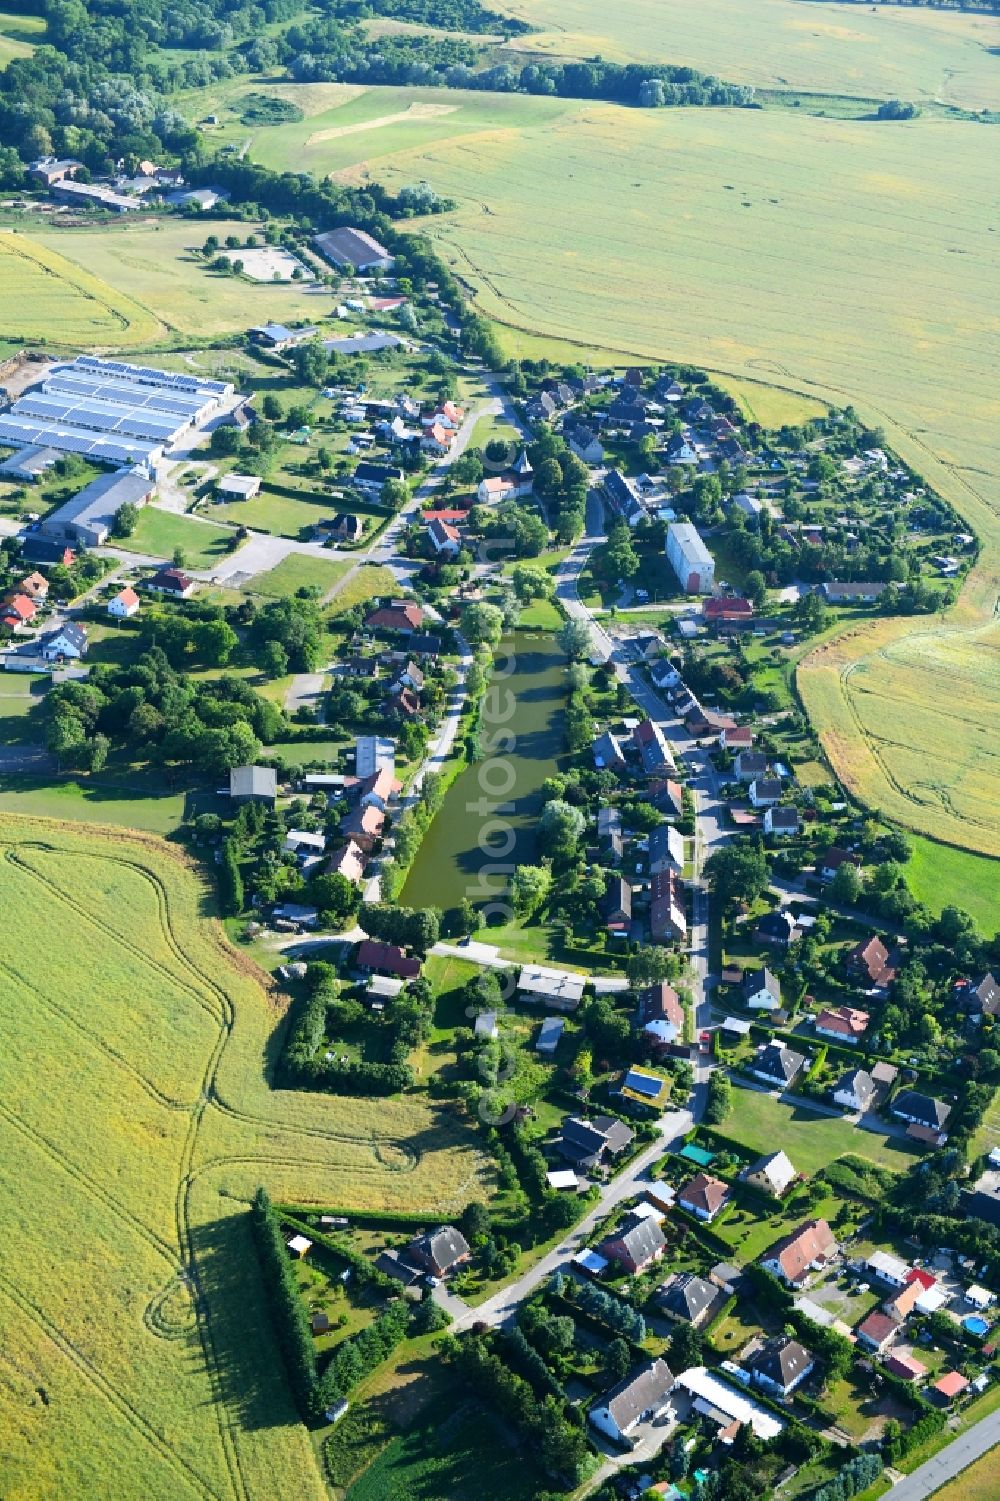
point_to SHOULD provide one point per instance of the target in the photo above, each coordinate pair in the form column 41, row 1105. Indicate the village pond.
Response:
column 487, row 821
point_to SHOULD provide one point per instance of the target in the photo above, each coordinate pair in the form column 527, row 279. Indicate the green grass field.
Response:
column 45, row 294
column 19, row 35
column 811, row 1140
column 153, row 267
column 136, row 1103
column 844, row 260
column 281, row 515
column 887, row 52
column 465, row 1457
column 942, row 876
column 157, row 533
column 299, row 571
column 369, row 582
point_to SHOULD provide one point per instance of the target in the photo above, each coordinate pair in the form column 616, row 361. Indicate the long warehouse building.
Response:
column 111, row 411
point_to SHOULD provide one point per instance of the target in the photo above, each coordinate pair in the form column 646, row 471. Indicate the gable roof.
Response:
column 441, row 1248
column 812, row 1241
column 845, row 1021
column 704, row 1192
column 755, row 980
column 637, row 1393
column 127, row 596
column 924, row 1108
column 687, row 1296
column 872, row 956
column 776, row 1168
column 641, row 1239
column 859, row 1083
column 778, row 1061
column 877, row 1328
column 781, row 1360
column 661, row 1003
column 398, row 615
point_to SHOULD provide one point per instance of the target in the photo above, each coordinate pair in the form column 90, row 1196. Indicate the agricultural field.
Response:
column 721, row 212
column 137, row 1347
column 47, row 295
column 153, row 266
column 812, row 1140
column 980, row 1482
column 887, row 52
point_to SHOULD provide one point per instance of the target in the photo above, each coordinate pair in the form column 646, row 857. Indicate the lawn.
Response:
column 368, row 583
column 153, row 265
column 299, row 571
column 811, row 1140
column 942, row 876
column 149, row 1124
column 44, row 294
column 159, row 533
column 19, row 35
column 281, row 515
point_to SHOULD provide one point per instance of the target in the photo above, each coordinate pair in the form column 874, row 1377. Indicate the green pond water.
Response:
column 489, row 814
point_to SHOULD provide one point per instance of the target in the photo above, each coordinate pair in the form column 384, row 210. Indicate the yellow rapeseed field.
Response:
column 137, row 1117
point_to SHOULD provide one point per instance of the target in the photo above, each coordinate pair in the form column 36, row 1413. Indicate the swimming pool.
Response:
column 975, row 1324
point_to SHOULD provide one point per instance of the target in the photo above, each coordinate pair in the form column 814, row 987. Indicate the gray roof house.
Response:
column 253, row 784
column 780, row 1365
column 644, row 1394
column 438, row 1251
column 586, row 1141
column 856, row 1090
column 776, row 1064
column 922, row 1109
column 688, row 1297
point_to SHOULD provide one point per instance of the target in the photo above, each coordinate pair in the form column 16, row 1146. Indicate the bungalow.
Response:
column 641, row 1397
column 780, row 1365
column 538, row 985
column 777, row 1064
column 761, row 991
column 495, row 489
column 398, row 615
column 66, row 643
column 588, row 1142
column 726, row 607
column 253, row 784
column 172, row 582
column 635, row 1245
column 348, row 861
column 699, row 721
column 660, row 1014
column 238, row 486
column 870, row 959
column 750, row 765
column 921, row 1109
column 779, row 928
column 765, row 791
column 781, row 822
column 125, row 604
column 667, row 917
column 687, row 1297
column 808, row 1249
column 438, row 1252
column 856, row 1091
column 666, row 850
column 852, row 594
column 842, row 1023
column 704, row 1196
column 888, row 1269
column 386, row 959
column 445, row 538
column 828, row 865
column 906, row 1367
column 302, row 842
column 616, row 908
column 549, row 1035
column 654, row 752
column 772, row 1174
column 877, row 1332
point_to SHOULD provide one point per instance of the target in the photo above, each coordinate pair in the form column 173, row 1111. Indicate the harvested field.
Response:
column 136, row 1097
column 44, row 294
column 426, row 110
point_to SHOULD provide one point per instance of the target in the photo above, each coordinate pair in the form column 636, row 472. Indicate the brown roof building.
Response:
column 871, row 958
column 808, row 1249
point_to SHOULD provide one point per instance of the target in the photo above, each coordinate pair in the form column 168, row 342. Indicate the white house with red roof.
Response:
column 125, row 604
column 445, row 538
